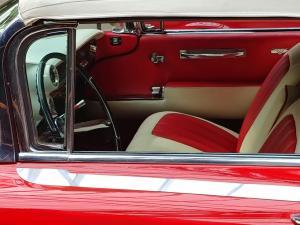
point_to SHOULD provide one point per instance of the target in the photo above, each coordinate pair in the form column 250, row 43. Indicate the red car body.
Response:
column 27, row 203
column 273, row 196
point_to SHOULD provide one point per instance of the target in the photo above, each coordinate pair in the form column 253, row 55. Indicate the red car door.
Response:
column 51, row 185
column 148, row 193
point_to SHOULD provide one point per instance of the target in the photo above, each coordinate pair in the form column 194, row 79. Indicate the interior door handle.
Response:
column 212, row 53
column 295, row 218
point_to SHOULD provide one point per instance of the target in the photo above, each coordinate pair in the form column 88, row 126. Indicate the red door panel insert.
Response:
column 134, row 74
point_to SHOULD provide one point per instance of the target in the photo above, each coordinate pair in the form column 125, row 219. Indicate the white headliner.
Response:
column 32, row 10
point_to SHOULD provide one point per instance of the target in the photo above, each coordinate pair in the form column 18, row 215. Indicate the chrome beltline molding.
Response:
column 63, row 178
column 123, row 157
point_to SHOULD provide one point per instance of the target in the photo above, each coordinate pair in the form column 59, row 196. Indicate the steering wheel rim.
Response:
column 90, row 81
column 54, row 128
column 41, row 92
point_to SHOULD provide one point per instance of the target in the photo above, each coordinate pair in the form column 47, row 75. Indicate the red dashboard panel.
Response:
column 115, row 44
column 134, row 74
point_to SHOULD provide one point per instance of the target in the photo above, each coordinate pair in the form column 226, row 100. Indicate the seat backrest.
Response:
column 285, row 133
column 268, row 104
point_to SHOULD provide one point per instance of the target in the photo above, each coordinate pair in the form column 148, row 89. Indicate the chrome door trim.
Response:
column 123, row 157
column 295, row 218
column 212, row 53
column 56, row 177
column 279, row 51
column 50, row 156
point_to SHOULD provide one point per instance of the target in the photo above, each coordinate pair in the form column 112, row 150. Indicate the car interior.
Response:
column 172, row 86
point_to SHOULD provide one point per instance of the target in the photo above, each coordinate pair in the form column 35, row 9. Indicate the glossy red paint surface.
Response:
column 134, row 74
column 196, row 133
column 25, row 203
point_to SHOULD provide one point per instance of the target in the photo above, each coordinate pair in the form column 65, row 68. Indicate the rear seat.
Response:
column 270, row 126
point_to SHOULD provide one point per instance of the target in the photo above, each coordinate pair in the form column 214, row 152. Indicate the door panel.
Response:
column 174, row 202
column 132, row 75
column 135, row 74
column 229, row 102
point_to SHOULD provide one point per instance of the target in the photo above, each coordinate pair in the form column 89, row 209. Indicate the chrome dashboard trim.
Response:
column 123, row 157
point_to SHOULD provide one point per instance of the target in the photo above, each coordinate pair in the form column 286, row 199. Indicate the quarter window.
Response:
column 46, row 76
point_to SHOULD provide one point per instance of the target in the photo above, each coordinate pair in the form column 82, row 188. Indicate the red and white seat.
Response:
column 270, row 126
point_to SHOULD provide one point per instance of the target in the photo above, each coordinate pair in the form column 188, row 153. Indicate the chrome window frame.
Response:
column 24, row 127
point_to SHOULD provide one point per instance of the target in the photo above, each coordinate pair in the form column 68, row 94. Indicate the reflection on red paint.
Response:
column 32, row 204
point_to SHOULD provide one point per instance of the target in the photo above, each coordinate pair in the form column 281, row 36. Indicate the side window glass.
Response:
column 46, row 76
column 152, row 26
column 121, row 27
column 93, row 129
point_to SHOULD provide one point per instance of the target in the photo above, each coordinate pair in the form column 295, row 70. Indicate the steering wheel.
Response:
column 56, row 124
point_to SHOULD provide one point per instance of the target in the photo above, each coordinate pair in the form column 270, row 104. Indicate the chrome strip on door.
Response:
column 63, row 178
column 122, row 157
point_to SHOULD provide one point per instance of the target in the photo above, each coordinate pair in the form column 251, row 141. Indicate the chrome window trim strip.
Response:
column 223, row 31
column 231, row 30
column 109, row 157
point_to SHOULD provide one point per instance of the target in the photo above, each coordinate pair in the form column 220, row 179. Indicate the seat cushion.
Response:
column 181, row 133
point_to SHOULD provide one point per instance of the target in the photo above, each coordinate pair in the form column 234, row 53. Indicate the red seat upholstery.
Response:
column 195, row 132
column 283, row 137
